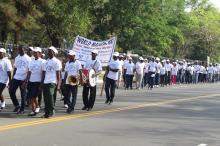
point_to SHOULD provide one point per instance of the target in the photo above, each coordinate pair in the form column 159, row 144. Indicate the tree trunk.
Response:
column 17, row 36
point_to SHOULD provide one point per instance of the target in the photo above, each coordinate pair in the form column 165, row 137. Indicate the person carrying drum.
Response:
column 94, row 64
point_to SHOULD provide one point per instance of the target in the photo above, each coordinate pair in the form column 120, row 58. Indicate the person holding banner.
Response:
column 111, row 78
column 95, row 64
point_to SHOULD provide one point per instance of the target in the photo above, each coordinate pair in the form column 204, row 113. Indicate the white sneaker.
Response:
column 66, row 106
column 37, row 110
column 2, row 105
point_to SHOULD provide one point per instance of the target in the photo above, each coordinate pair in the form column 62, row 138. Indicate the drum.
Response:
column 87, row 77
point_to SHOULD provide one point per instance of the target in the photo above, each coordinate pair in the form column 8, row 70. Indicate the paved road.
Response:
column 170, row 116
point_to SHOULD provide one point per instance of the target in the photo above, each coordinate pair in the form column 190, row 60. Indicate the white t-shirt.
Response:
column 36, row 68
column 146, row 67
column 5, row 66
column 113, row 65
column 21, row 65
column 210, row 69
column 130, row 68
column 197, row 68
column 121, row 64
column 168, row 66
column 94, row 64
column 159, row 65
column 140, row 67
column 174, row 70
column 72, row 68
column 152, row 66
column 162, row 70
column 51, row 66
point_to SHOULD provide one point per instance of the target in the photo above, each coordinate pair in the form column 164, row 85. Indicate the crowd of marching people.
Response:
column 39, row 78
column 153, row 72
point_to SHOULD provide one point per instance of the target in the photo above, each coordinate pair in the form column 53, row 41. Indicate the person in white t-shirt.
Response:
column 152, row 70
column 129, row 73
column 94, row 63
column 174, row 71
column 51, row 81
column 73, row 69
column 20, row 73
column 111, row 78
column 120, row 72
column 33, row 79
column 5, row 75
column 139, row 67
column 162, row 73
column 157, row 75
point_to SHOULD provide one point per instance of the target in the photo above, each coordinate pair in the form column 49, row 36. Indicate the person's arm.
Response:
column 58, row 80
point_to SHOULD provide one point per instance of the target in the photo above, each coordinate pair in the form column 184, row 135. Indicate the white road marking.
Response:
column 202, row 145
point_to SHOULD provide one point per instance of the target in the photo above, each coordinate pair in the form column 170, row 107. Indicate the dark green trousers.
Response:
column 48, row 92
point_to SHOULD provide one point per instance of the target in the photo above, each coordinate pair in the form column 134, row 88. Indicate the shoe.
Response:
column 106, row 102
column 2, row 105
column 52, row 114
column 89, row 109
column 69, row 111
column 66, row 106
column 111, row 101
column 45, row 116
column 32, row 114
column 84, row 108
column 16, row 109
column 37, row 110
column 20, row 112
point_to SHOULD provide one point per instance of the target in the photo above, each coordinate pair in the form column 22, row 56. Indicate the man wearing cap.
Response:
column 120, row 72
column 73, row 68
column 33, row 79
column 139, row 68
column 89, row 100
column 50, row 80
column 168, row 67
column 129, row 73
column 111, row 78
column 152, row 70
column 5, row 74
column 20, row 73
column 157, row 75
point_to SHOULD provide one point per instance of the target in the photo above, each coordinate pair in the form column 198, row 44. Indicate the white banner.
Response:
column 83, row 47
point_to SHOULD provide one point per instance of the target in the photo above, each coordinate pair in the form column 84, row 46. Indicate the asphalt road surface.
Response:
column 170, row 116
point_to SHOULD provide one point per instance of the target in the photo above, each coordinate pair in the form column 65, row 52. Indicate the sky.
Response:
column 216, row 3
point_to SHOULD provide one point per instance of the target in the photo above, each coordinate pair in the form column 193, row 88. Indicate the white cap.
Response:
column 37, row 49
column 120, row 55
column 168, row 60
column 72, row 53
column 32, row 48
column 141, row 58
column 53, row 49
column 116, row 54
column 129, row 58
column 2, row 50
column 158, row 59
column 95, row 51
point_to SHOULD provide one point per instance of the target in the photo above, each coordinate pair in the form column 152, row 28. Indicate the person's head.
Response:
column 129, row 59
column 94, row 54
column 167, row 61
column 141, row 59
column 2, row 53
column 71, row 55
column 37, row 52
column 120, row 57
column 115, row 56
column 52, row 51
column 157, row 59
column 21, row 50
column 30, row 51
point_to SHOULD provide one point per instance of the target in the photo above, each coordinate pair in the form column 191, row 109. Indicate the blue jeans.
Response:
column 129, row 81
